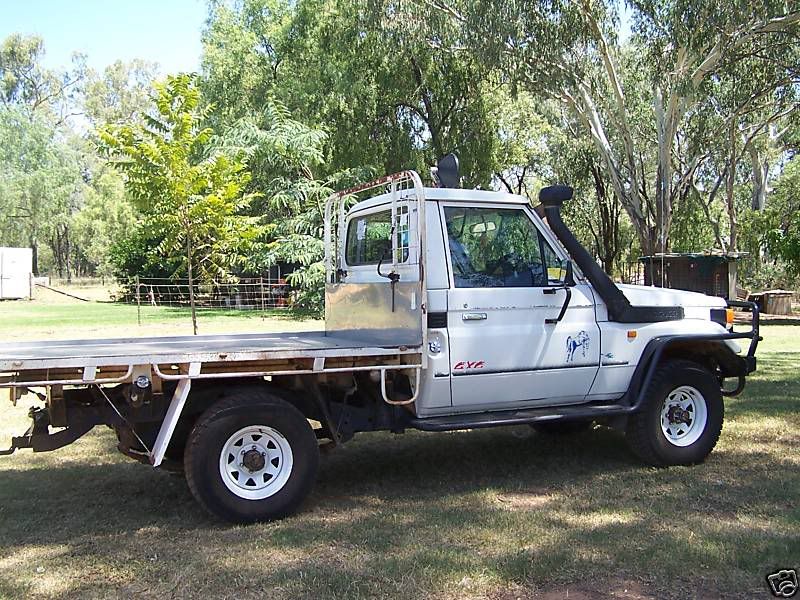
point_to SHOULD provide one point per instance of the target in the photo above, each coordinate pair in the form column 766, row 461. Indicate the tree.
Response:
column 25, row 83
column 105, row 216
column 120, row 94
column 783, row 238
column 285, row 155
column 568, row 51
column 40, row 173
column 385, row 100
column 192, row 198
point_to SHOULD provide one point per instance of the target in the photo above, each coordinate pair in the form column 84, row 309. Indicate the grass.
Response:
column 503, row 513
column 51, row 316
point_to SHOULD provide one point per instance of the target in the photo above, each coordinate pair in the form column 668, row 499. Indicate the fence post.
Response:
column 261, row 280
column 138, row 302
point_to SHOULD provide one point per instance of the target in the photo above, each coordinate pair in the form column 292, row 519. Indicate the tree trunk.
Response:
column 608, row 208
column 663, row 172
column 34, row 244
column 730, row 200
column 760, row 173
column 67, row 252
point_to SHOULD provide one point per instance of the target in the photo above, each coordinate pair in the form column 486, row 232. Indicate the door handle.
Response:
column 474, row 317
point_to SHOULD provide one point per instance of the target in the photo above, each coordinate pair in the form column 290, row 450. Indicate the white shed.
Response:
column 16, row 266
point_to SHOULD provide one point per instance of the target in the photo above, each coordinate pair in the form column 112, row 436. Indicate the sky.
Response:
column 163, row 31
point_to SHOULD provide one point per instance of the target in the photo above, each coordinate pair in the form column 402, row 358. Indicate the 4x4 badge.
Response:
column 463, row 365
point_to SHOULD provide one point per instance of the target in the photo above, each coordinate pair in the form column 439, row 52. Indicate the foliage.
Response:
column 106, row 216
column 671, row 138
column 48, row 174
column 284, row 154
column 783, row 237
column 39, row 180
column 120, row 94
column 192, row 199
column 386, row 101
column 26, row 84
column 635, row 105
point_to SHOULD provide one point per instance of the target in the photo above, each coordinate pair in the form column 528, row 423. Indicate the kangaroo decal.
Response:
column 581, row 340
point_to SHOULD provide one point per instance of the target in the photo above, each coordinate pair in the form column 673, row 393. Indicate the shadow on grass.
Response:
column 422, row 514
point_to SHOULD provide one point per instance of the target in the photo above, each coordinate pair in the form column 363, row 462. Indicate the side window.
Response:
column 497, row 247
column 369, row 239
column 555, row 266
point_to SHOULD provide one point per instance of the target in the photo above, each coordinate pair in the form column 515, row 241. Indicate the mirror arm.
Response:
column 563, row 308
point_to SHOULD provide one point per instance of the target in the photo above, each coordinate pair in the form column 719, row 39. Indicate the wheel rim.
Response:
column 255, row 462
column 683, row 416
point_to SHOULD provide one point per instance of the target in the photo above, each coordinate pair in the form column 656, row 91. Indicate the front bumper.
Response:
column 749, row 360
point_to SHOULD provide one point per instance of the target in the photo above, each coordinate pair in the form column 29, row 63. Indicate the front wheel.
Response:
column 251, row 457
column 681, row 418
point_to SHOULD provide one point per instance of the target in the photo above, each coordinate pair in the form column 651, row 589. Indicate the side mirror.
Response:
column 569, row 276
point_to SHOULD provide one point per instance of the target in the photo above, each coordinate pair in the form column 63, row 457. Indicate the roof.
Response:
column 450, row 195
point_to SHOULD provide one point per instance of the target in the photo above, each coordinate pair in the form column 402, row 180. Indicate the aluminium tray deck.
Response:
column 18, row 356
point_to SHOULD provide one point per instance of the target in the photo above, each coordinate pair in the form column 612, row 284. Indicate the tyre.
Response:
column 562, row 427
column 681, row 417
column 251, row 457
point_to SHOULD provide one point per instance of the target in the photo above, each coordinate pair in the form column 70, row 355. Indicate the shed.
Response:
column 714, row 274
column 16, row 266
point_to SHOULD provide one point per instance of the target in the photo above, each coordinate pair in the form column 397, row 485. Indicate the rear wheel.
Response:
column 681, row 418
column 251, row 457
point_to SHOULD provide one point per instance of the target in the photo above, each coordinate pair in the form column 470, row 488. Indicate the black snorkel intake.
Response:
column 619, row 307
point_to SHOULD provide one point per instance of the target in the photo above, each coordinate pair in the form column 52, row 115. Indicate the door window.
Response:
column 498, row 247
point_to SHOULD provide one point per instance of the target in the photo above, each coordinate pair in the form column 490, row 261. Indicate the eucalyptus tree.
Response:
column 120, row 93
column 40, row 177
column 569, row 51
column 27, row 84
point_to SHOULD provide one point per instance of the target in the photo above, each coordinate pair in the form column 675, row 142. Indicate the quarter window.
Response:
column 498, row 247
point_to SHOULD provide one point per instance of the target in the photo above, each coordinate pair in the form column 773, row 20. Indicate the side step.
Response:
column 518, row 417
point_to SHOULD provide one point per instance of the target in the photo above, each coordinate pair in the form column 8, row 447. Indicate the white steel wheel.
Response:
column 684, row 415
column 256, row 462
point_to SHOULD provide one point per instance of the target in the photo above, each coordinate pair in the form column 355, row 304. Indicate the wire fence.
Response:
column 261, row 293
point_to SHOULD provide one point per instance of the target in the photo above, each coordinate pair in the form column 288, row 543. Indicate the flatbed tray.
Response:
column 19, row 356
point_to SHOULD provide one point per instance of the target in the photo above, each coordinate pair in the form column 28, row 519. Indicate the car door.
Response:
column 506, row 293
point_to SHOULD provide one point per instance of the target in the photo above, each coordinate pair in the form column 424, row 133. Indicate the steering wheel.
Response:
column 510, row 261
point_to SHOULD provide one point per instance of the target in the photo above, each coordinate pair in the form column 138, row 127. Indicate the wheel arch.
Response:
column 205, row 394
column 710, row 352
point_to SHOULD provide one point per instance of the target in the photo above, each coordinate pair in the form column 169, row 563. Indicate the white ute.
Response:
column 446, row 309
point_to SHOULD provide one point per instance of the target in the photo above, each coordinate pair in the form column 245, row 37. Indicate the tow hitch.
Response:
column 38, row 437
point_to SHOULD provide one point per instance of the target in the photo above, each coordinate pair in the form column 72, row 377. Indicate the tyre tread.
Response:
column 637, row 432
column 236, row 399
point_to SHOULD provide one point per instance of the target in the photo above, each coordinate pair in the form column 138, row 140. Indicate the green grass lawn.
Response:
column 503, row 513
column 65, row 318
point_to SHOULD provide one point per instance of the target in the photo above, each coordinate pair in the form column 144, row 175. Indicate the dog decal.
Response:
column 581, row 340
